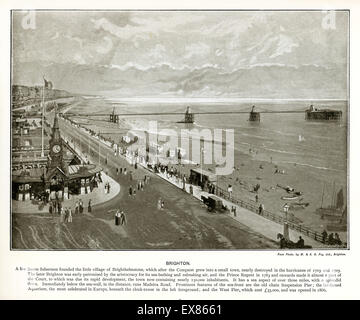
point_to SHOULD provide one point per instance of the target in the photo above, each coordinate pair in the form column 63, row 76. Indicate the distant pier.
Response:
column 189, row 116
column 254, row 116
column 114, row 117
column 314, row 114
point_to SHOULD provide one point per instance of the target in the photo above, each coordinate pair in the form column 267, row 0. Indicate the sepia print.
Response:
column 179, row 130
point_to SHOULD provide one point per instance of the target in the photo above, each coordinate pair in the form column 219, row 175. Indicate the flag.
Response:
column 48, row 84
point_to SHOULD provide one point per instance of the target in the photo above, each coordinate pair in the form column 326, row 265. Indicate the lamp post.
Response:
column 286, row 226
column 99, row 150
column 286, row 208
column 201, row 156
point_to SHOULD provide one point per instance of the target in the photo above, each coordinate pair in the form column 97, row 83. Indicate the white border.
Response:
column 13, row 287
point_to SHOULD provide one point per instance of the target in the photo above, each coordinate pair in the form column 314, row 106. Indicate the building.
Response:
column 200, row 176
column 60, row 171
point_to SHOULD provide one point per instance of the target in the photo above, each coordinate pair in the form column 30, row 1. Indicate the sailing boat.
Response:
column 335, row 209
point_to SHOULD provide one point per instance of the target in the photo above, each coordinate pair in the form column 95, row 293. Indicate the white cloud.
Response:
column 196, row 49
column 146, row 24
column 76, row 39
column 55, row 36
column 285, row 45
column 79, row 59
column 106, row 46
column 157, row 52
column 219, row 52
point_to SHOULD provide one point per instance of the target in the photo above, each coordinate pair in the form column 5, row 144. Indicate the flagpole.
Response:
column 42, row 122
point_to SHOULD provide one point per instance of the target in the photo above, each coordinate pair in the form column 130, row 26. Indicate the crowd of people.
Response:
column 331, row 239
column 65, row 212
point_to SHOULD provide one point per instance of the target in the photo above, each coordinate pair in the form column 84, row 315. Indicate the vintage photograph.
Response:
column 179, row 130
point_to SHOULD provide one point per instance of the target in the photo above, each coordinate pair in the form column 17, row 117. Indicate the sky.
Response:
column 184, row 54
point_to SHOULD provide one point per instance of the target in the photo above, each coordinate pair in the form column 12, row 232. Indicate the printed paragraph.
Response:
column 184, row 279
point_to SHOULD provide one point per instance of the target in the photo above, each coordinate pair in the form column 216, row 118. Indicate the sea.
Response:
column 320, row 147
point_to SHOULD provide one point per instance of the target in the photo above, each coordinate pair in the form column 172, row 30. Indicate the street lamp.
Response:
column 201, row 156
column 99, row 150
column 286, row 208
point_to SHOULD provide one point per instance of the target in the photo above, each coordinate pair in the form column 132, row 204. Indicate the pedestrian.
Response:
column 138, row 185
column 230, row 190
column 89, row 206
column 159, row 204
column 62, row 215
column 300, row 243
column 69, row 219
column 337, row 239
column 261, row 208
column 105, row 188
column 108, row 187
column 81, row 206
column 117, row 218
column 122, row 218
column 76, row 207
column 162, row 205
column 130, row 191
column 121, row 170
column 117, row 171
column 66, row 214
column 256, row 198
column 125, row 172
column 324, row 236
column 54, row 206
column 134, row 192
column 59, row 206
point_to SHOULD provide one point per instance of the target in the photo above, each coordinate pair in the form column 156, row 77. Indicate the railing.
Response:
column 269, row 215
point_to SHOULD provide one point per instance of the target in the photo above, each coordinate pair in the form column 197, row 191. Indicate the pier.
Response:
column 114, row 117
column 254, row 116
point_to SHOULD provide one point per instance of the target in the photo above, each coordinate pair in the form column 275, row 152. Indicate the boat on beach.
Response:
column 294, row 197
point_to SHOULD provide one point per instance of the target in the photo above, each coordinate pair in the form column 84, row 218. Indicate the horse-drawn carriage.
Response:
column 214, row 203
column 288, row 244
